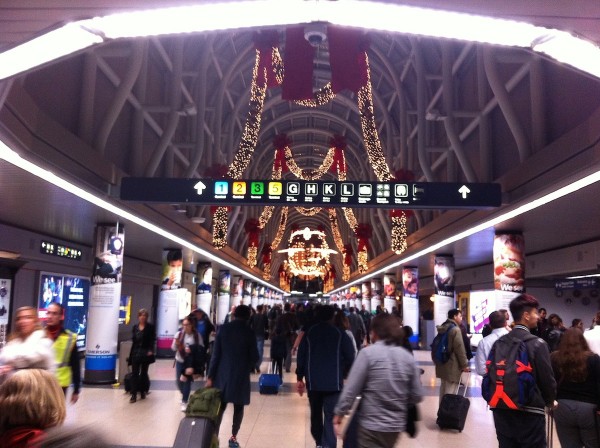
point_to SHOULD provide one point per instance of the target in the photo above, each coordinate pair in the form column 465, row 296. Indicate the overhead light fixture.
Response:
column 388, row 17
column 11, row 156
column 48, row 47
column 10, row 255
column 575, row 277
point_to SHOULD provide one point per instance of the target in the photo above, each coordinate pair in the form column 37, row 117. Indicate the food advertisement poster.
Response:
column 509, row 263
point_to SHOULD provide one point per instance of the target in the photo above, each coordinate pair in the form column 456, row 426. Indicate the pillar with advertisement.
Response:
column 224, row 296
column 389, row 292
column 443, row 281
column 254, row 294
column 410, row 300
column 509, row 268
column 247, row 292
column 167, row 315
column 204, row 287
column 366, row 295
column 376, row 290
column 103, row 309
column 238, row 285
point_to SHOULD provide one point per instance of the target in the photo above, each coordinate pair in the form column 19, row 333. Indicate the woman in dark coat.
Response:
column 234, row 357
column 141, row 355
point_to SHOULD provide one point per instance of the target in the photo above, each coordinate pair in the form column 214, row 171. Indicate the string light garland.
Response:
column 252, row 255
column 281, row 228
column 219, row 230
column 399, row 233
column 313, row 174
column 312, row 211
column 321, row 97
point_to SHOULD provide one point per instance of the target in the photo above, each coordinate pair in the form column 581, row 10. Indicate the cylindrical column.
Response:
column 389, row 291
column 410, row 300
column 167, row 320
column 224, row 296
column 204, row 287
column 103, row 310
column 509, row 267
column 443, row 280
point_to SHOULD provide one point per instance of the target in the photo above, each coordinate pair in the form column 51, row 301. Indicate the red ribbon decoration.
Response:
column 252, row 228
column 363, row 232
column 298, row 59
column 338, row 143
column 217, row 171
column 264, row 41
column 266, row 253
column 280, row 142
column 348, row 254
column 347, row 58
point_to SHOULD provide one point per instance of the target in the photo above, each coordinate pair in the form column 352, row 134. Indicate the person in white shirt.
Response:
column 498, row 324
column 27, row 347
column 592, row 336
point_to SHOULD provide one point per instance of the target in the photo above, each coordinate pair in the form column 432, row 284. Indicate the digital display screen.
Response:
column 432, row 195
column 59, row 250
column 73, row 294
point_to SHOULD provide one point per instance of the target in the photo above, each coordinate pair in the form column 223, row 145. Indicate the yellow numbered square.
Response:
column 239, row 188
column 275, row 188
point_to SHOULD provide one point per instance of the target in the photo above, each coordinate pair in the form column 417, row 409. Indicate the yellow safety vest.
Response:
column 63, row 346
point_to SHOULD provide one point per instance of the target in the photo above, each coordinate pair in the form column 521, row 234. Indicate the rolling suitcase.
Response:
column 453, row 410
column 269, row 383
column 196, row 432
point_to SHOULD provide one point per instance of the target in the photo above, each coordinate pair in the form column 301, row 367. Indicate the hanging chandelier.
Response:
column 308, row 253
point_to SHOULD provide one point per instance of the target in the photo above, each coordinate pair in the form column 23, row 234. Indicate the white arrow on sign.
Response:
column 199, row 187
column 464, row 190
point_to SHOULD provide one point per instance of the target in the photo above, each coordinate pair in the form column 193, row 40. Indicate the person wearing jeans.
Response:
column 181, row 345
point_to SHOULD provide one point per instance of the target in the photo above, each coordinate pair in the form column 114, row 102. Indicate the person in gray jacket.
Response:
column 385, row 375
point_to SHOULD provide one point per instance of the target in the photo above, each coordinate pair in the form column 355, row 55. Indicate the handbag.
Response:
column 150, row 359
column 412, row 417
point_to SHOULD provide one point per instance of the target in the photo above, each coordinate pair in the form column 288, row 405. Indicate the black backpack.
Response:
column 509, row 382
column 440, row 352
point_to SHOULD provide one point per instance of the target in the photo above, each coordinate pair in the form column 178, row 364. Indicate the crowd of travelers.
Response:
column 341, row 353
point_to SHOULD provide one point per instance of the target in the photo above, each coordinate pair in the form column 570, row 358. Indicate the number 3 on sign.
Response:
column 257, row 188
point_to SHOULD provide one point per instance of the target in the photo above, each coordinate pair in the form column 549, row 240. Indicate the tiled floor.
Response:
column 270, row 421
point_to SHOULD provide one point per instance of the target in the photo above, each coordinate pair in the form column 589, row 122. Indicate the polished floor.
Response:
column 270, row 421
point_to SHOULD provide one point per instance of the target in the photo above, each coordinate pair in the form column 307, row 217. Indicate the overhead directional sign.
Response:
column 402, row 195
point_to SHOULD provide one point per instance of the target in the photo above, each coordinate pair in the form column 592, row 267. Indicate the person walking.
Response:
column 141, row 355
column 385, row 375
column 27, row 346
column 498, row 328
column 450, row 371
column 577, row 372
column 259, row 324
column 324, row 357
column 68, row 368
column 235, row 356
column 182, row 345
column 526, row 426
column 357, row 327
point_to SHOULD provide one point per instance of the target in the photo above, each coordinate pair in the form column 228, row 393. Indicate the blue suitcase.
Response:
column 269, row 383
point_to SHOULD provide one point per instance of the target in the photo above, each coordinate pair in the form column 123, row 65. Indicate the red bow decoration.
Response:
column 264, row 41
column 252, row 228
column 363, row 232
column 338, row 143
column 266, row 253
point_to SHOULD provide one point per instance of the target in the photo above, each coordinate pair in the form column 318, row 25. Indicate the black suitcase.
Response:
column 127, row 381
column 453, row 410
column 195, row 432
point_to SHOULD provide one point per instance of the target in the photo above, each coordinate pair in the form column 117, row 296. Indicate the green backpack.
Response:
column 204, row 403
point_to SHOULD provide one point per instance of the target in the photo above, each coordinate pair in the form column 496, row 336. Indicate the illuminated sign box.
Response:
column 59, row 250
column 399, row 195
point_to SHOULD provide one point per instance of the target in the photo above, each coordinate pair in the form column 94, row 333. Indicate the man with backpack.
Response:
column 455, row 360
column 520, row 383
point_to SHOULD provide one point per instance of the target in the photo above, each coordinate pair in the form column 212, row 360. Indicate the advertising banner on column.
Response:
column 167, row 316
column 224, row 296
column 238, row 287
column 261, row 295
column 389, row 291
column 410, row 300
column 5, row 295
column 376, row 291
column 204, row 287
column 104, row 303
column 366, row 295
column 443, row 275
column 247, row 292
column 254, row 295
column 441, row 306
column 509, row 267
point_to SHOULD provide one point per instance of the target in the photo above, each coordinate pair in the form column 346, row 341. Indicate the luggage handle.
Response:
column 466, row 383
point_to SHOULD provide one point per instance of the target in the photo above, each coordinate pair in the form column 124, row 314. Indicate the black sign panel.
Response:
column 399, row 195
column 50, row 248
